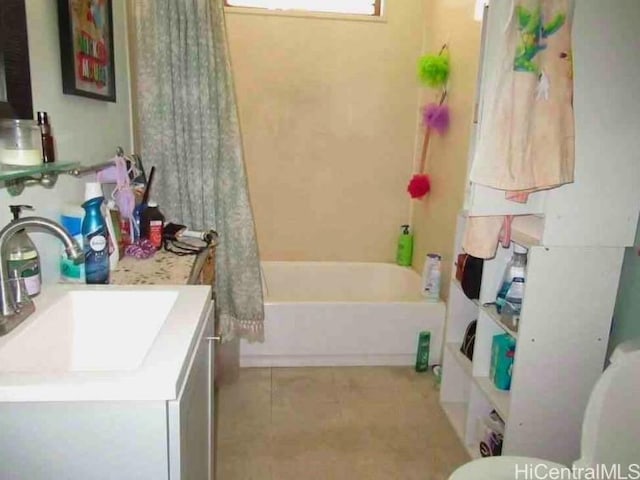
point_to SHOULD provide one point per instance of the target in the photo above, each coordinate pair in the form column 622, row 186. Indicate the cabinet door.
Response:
column 190, row 416
column 211, row 348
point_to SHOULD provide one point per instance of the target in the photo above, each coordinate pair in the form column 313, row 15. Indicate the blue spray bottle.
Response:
column 96, row 243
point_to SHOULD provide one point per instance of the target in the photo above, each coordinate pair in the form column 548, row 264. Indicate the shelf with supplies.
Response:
column 15, row 177
column 498, row 398
column 464, row 362
column 526, row 229
column 575, row 236
column 455, row 282
column 456, row 412
column 490, row 310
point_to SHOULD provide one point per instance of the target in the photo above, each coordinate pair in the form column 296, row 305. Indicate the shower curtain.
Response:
column 188, row 128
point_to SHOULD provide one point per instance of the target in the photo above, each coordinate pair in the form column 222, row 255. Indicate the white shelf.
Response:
column 463, row 361
column 526, row 230
column 498, row 398
column 456, row 412
column 458, row 285
column 491, row 311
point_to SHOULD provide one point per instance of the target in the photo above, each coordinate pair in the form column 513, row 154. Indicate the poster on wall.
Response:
column 86, row 48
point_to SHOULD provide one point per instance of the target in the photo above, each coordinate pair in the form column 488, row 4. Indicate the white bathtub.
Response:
column 338, row 313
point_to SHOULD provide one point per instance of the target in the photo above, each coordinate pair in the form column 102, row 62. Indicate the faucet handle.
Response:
column 16, row 209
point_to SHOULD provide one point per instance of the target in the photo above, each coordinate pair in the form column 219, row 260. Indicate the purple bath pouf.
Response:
column 436, row 117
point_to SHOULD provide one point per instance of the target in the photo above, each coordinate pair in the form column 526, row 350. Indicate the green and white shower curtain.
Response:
column 188, row 126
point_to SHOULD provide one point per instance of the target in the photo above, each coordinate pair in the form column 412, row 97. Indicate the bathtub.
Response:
column 339, row 313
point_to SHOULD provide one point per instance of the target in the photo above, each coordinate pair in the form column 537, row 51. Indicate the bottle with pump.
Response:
column 22, row 255
column 95, row 237
column 404, row 252
column 513, row 280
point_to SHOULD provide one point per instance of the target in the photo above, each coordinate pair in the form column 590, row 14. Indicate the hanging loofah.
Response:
column 419, row 185
column 433, row 70
column 436, row 116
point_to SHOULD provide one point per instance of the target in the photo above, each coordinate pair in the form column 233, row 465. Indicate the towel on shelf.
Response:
column 526, row 138
column 527, row 131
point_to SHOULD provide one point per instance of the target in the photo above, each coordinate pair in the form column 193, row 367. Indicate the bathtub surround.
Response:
column 328, row 109
column 340, row 313
column 188, row 125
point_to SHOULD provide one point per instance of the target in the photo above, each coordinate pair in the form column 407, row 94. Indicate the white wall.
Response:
column 85, row 130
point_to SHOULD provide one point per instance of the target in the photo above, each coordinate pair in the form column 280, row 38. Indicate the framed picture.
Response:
column 86, row 48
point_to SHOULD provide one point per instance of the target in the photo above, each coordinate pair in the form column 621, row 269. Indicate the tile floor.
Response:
column 349, row 423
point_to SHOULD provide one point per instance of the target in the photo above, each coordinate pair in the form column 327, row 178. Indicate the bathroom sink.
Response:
column 88, row 330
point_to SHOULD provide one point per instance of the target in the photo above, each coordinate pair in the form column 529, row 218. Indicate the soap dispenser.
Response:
column 22, row 255
column 404, row 253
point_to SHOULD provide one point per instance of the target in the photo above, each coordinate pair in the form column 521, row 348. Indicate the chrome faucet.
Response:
column 11, row 312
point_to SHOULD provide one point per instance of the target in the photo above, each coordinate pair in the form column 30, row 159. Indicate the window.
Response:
column 358, row 7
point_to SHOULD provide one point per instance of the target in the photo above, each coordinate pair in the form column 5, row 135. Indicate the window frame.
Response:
column 377, row 11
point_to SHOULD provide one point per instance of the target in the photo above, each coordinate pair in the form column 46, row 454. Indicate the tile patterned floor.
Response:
column 369, row 423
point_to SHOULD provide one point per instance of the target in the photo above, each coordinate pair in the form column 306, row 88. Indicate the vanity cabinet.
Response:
column 154, row 438
column 190, row 436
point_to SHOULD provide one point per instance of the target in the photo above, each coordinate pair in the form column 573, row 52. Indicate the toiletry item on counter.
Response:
column 422, row 355
column 404, row 253
column 503, row 348
column 95, row 237
column 20, row 143
column 136, row 218
column 22, row 256
column 114, row 223
column 71, row 219
column 48, row 153
column 114, row 253
column 152, row 224
column 431, row 277
column 513, row 280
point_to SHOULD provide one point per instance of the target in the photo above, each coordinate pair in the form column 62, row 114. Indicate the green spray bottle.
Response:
column 404, row 253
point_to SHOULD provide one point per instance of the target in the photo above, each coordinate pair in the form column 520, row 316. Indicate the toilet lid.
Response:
column 506, row 468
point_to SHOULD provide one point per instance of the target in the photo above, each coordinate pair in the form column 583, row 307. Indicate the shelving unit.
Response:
column 575, row 240
column 15, row 178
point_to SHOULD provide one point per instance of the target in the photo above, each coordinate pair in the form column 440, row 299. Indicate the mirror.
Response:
column 15, row 77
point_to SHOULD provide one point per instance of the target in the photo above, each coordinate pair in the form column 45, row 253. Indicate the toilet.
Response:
column 610, row 429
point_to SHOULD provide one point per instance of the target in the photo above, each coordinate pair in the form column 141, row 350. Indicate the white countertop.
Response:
column 158, row 377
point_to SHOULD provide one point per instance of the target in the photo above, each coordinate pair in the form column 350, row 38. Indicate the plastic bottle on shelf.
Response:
column 514, row 275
